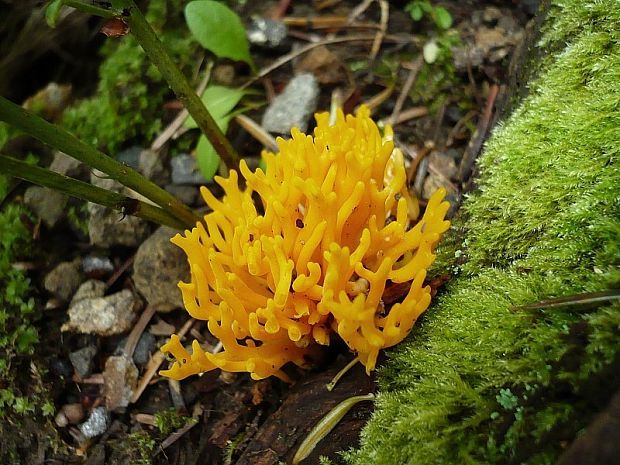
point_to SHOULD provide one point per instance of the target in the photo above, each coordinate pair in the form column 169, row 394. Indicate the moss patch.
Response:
column 128, row 104
column 479, row 381
column 25, row 404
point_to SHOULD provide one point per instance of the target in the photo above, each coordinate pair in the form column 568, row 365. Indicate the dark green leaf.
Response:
column 416, row 12
column 442, row 17
column 206, row 156
column 218, row 29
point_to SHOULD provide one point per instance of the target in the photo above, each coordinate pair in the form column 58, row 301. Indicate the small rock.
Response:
column 104, row 316
column 477, row 18
column 96, row 424
column 120, row 379
column 69, row 166
column 434, row 182
column 152, row 166
column 96, row 455
column 324, row 65
column 88, row 290
column 46, row 203
column 444, row 163
column 143, row 350
column 158, row 267
column 50, row 101
column 266, row 32
column 508, row 24
column 491, row 14
column 60, row 367
column 97, row 267
column 130, row 156
column 82, row 360
column 185, row 170
column 69, row 414
column 161, row 328
column 464, row 57
column 64, row 280
column 294, row 106
column 487, row 39
column 61, row 420
column 186, row 194
column 107, row 227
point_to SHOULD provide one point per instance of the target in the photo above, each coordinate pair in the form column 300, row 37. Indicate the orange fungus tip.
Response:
column 333, row 224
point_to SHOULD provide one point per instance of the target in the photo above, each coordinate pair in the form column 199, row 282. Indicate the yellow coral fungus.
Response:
column 312, row 258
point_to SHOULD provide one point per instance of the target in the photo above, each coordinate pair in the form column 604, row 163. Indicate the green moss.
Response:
column 128, row 104
column 77, row 214
column 168, row 420
column 17, row 335
column 25, row 406
column 479, row 380
column 438, row 81
column 140, row 448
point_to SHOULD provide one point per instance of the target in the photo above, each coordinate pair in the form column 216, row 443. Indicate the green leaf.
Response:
column 27, row 338
column 48, row 409
column 23, row 405
column 442, row 17
column 414, row 10
column 218, row 29
column 6, row 397
column 206, row 156
column 52, row 12
column 219, row 100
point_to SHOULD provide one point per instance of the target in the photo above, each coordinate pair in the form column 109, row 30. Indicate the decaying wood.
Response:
column 306, row 403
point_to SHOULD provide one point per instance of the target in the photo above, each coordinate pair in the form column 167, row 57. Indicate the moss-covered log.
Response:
column 481, row 380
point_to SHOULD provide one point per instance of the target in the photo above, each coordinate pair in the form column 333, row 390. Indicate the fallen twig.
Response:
column 359, row 9
column 119, row 271
column 376, row 100
column 404, row 92
column 409, row 114
column 257, row 132
column 475, row 143
column 295, row 53
column 573, row 300
column 385, row 15
column 138, row 329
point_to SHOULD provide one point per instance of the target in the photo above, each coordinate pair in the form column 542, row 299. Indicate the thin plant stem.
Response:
column 72, row 146
column 156, row 52
column 332, row 384
column 85, row 191
column 90, row 8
